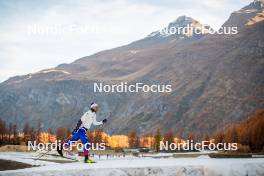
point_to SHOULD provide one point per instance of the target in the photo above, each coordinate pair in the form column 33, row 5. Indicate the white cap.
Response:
column 94, row 105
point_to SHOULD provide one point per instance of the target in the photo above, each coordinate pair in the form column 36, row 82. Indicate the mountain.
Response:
column 216, row 79
column 171, row 29
column 248, row 15
column 174, row 31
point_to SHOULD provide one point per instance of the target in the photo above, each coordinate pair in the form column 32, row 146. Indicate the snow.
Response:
column 138, row 166
column 24, row 157
column 134, row 51
column 154, row 34
column 54, row 70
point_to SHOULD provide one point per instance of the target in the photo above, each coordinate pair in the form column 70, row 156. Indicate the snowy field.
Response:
column 137, row 166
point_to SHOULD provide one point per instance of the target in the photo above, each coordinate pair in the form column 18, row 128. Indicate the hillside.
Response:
column 216, row 79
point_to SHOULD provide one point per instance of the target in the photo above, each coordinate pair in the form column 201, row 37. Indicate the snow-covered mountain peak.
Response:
column 182, row 27
column 248, row 15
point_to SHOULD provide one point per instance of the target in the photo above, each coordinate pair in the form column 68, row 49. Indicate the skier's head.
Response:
column 94, row 107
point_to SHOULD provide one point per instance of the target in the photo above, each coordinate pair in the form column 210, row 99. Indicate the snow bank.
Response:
column 157, row 171
column 202, row 166
column 23, row 157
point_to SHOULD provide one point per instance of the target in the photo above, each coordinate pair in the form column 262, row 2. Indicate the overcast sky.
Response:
column 37, row 34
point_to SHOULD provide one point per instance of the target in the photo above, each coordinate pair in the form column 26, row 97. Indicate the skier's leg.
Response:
column 74, row 138
column 85, row 142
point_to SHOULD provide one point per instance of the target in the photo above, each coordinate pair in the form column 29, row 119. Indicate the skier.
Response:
column 81, row 128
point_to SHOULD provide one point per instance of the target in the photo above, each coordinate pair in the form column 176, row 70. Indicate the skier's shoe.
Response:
column 89, row 161
column 59, row 150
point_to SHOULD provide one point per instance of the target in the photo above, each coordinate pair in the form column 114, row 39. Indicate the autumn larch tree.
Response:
column 157, row 139
column 133, row 139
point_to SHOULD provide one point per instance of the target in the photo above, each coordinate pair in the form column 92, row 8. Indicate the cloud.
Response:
column 99, row 24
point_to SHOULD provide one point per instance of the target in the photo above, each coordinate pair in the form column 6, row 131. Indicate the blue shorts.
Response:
column 80, row 134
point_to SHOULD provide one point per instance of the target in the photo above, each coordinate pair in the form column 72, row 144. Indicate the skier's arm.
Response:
column 95, row 121
column 79, row 123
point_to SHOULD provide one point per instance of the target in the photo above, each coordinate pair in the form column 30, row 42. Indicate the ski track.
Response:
column 133, row 166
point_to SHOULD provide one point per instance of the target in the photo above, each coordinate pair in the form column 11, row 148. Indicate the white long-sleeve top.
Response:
column 88, row 119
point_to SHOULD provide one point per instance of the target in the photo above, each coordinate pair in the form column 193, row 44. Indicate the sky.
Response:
column 37, row 34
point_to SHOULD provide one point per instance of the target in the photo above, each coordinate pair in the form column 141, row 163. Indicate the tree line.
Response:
column 249, row 134
column 9, row 133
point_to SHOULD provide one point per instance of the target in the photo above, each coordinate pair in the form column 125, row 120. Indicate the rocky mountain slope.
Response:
column 216, row 79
